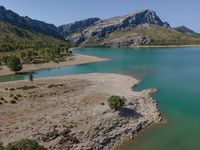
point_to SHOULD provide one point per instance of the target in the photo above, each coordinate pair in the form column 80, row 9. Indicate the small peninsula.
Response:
column 72, row 111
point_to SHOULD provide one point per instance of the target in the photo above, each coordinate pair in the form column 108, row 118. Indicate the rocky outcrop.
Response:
column 103, row 28
column 27, row 23
column 65, row 30
column 131, row 41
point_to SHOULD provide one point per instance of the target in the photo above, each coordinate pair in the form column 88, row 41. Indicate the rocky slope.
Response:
column 27, row 23
column 130, row 32
column 104, row 28
column 65, row 30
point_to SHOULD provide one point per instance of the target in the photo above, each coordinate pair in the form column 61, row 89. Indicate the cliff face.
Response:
column 65, row 30
column 103, row 28
column 27, row 23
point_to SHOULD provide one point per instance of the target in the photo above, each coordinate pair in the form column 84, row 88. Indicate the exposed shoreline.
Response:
column 76, row 59
column 148, row 46
column 164, row 46
column 77, row 110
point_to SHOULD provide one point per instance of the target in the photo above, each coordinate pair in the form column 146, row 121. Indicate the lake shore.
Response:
column 164, row 46
column 75, row 59
column 71, row 112
column 150, row 46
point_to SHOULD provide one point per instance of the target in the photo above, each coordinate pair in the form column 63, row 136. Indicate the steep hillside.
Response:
column 14, row 38
column 30, row 40
column 30, row 47
column 27, row 23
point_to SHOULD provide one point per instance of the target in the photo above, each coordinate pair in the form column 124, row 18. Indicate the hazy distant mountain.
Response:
column 27, row 23
column 186, row 30
column 140, row 28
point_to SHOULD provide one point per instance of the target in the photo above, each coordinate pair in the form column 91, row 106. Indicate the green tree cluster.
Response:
column 116, row 102
column 29, row 46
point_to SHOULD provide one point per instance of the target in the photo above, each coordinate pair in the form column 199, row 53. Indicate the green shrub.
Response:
column 11, row 95
column 14, row 63
column 15, row 98
column 26, row 87
column 12, row 89
column 116, row 102
column 19, row 95
column 24, row 144
column 13, row 102
column 55, row 85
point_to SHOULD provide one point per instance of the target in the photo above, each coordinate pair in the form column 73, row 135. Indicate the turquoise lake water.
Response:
column 175, row 72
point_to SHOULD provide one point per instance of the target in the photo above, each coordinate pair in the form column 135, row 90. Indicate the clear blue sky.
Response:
column 58, row 12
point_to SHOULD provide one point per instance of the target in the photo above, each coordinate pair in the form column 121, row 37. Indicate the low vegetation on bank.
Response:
column 24, row 144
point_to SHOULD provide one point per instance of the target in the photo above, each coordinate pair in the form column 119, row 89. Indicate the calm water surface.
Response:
column 174, row 71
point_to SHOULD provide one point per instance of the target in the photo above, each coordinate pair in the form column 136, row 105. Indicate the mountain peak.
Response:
column 144, row 11
column 2, row 7
column 148, row 16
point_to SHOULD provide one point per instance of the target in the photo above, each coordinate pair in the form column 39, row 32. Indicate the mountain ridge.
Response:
column 142, row 27
column 186, row 30
column 77, row 25
column 27, row 23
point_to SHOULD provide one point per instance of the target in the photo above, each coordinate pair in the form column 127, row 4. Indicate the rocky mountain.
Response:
column 186, row 30
column 65, row 30
column 27, row 23
column 139, row 28
column 103, row 28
